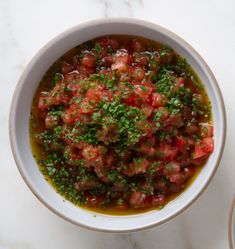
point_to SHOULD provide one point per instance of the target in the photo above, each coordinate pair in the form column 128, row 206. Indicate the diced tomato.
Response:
column 146, row 149
column 147, row 127
column 107, row 60
column 86, row 184
column 72, row 114
column 147, row 146
column 158, row 100
column 72, row 154
column 143, row 91
column 177, row 178
column 138, row 73
column 174, row 120
column 44, row 102
column 147, row 109
column 90, row 152
column 51, row 121
column 206, row 130
column 88, row 60
column 136, row 167
column 180, row 83
column 54, row 98
column 191, row 128
column 73, row 76
column 119, row 66
column 172, row 167
column 110, row 159
column 181, row 143
column 141, row 59
column 120, row 62
column 180, row 177
column 85, row 71
column 123, row 58
column 100, row 169
column 167, row 152
column 94, row 94
column 158, row 200
column 136, row 199
column 86, row 107
column 161, row 185
column 203, row 148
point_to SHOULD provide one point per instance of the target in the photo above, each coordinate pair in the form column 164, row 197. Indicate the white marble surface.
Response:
column 25, row 26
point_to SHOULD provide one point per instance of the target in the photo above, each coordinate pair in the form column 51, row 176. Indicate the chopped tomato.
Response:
column 120, row 63
column 167, row 152
column 86, row 107
column 94, row 94
column 51, row 121
column 137, row 199
column 72, row 114
column 172, row 167
column 204, row 147
column 147, row 110
column 136, row 167
column 181, row 143
column 143, row 91
column 158, row 200
column 180, row 83
column 206, row 130
column 191, row 128
column 141, row 59
column 138, row 73
column 177, row 178
column 90, row 152
column 119, row 66
column 88, row 60
column 158, row 100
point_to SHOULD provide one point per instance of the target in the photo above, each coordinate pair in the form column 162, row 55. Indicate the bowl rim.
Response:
column 231, row 217
column 101, row 21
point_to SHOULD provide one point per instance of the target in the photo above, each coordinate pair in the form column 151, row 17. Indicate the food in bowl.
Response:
column 121, row 125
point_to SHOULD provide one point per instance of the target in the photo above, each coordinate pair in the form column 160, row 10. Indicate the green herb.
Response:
column 98, row 47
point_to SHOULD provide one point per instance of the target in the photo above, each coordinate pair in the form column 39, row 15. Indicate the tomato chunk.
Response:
column 88, row 60
column 167, row 152
column 204, row 147
column 137, row 199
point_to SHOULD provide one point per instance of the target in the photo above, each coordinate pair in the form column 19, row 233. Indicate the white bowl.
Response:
column 231, row 225
column 20, row 111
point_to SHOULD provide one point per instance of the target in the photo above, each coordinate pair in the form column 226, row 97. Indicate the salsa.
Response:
column 120, row 125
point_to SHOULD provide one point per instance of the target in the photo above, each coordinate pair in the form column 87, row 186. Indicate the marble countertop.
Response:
column 25, row 26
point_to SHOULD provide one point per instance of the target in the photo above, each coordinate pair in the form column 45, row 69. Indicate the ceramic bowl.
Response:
column 231, row 225
column 20, row 111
